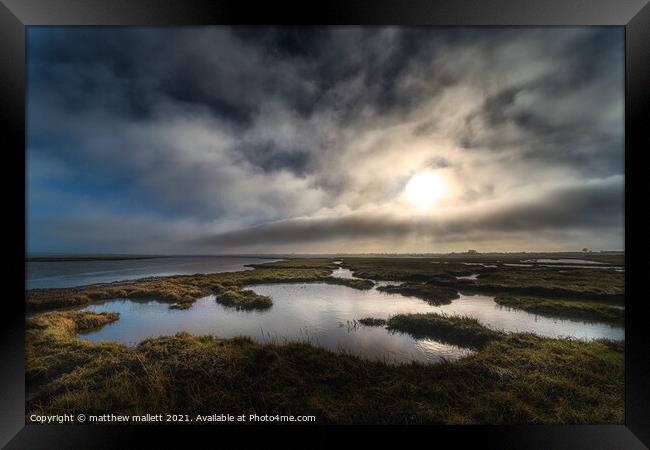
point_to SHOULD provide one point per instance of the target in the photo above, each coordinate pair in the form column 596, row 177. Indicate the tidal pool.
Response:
column 485, row 310
column 343, row 273
column 326, row 315
column 473, row 276
column 563, row 261
column 322, row 314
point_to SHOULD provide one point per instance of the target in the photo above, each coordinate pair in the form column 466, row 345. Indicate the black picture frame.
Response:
column 15, row 15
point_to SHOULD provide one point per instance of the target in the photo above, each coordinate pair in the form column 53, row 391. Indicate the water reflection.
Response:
column 473, row 276
column 485, row 310
column 322, row 314
column 326, row 315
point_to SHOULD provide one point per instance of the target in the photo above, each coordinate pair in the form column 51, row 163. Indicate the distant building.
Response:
column 472, row 251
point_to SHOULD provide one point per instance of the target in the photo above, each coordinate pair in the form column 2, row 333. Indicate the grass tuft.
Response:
column 431, row 293
column 457, row 330
column 372, row 322
column 243, row 299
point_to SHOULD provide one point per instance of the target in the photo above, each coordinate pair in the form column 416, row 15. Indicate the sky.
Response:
column 223, row 140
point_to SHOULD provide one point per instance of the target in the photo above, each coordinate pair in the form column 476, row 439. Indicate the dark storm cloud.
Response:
column 232, row 74
column 541, row 130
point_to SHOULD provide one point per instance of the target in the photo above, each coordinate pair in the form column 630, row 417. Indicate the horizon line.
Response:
column 470, row 252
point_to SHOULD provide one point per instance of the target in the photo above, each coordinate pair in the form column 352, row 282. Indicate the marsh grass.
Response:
column 430, row 279
column 243, row 299
column 350, row 282
column 51, row 347
column 569, row 282
column 563, row 282
column 182, row 291
column 431, row 293
column 509, row 379
column 517, row 378
column 573, row 309
column 405, row 269
column 457, row 330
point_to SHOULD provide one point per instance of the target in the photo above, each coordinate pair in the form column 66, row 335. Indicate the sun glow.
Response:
column 424, row 189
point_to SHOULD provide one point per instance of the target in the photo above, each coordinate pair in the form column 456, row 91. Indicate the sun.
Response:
column 424, row 189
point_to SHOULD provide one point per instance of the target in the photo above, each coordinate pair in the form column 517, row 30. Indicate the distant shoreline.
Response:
column 452, row 255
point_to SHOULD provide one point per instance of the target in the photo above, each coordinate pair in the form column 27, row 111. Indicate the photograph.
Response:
column 325, row 225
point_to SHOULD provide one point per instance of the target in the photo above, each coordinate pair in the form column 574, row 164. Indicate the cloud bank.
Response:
column 236, row 139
